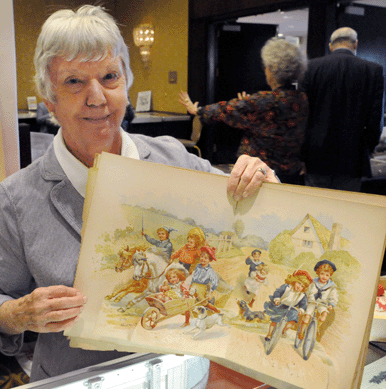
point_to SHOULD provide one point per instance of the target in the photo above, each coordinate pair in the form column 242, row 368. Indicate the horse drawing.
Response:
column 125, row 261
column 125, row 255
column 150, row 265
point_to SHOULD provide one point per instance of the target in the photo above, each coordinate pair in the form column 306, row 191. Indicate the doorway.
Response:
column 239, row 66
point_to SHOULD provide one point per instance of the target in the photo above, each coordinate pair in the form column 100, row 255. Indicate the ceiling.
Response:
column 295, row 23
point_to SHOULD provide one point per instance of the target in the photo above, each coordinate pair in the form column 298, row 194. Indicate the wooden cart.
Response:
column 159, row 311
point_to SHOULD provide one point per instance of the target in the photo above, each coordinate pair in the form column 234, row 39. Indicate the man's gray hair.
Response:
column 88, row 34
column 344, row 34
column 286, row 62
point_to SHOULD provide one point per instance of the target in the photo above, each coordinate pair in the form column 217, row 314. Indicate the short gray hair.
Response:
column 344, row 34
column 88, row 34
column 286, row 62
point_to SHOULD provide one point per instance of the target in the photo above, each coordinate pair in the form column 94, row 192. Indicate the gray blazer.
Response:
column 40, row 225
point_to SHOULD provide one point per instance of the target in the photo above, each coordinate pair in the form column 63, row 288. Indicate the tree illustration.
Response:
column 281, row 249
column 239, row 227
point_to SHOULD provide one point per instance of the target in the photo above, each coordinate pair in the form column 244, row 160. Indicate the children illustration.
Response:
column 291, row 294
column 189, row 254
column 204, row 280
column 253, row 261
column 323, row 290
column 164, row 241
column 172, row 287
column 256, row 278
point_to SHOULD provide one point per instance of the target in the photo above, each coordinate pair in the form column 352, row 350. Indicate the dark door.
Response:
column 239, row 66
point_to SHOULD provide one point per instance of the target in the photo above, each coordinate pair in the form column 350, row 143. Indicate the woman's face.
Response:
column 269, row 77
column 91, row 99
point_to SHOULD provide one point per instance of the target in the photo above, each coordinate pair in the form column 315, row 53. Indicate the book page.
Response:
column 122, row 269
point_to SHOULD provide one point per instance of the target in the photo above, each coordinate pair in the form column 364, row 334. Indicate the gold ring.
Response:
column 261, row 169
column 187, row 100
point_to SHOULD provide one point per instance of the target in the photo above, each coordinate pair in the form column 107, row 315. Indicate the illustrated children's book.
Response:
column 280, row 286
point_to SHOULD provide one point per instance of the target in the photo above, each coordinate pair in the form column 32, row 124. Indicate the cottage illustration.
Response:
column 311, row 236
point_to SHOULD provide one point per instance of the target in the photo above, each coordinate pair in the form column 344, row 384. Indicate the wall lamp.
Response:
column 144, row 38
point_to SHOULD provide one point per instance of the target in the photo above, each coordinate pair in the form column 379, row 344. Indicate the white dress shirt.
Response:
column 75, row 170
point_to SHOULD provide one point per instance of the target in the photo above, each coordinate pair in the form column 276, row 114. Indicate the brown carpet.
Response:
column 11, row 374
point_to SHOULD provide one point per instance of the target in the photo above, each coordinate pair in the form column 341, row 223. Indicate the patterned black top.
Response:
column 272, row 122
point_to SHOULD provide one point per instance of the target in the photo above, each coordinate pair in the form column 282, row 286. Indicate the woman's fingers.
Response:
column 48, row 309
column 247, row 176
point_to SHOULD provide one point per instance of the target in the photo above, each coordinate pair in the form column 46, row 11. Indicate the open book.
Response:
column 248, row 290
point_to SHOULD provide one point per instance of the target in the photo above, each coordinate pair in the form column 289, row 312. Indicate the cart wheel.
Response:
column 150, row 318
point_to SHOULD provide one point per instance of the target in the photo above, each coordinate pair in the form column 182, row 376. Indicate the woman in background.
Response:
column 272, row 122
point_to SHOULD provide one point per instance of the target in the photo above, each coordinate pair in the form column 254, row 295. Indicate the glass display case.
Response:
column 137, row 371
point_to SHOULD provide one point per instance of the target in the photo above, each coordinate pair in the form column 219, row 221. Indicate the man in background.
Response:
column 346, row 115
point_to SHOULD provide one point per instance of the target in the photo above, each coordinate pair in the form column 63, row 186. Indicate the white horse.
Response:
column 152, row 265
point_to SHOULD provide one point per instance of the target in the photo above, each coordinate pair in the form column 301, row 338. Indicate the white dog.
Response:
column 203, row 321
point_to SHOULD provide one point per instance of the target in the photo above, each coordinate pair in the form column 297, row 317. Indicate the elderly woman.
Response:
column 272, row 123
column 83, row 74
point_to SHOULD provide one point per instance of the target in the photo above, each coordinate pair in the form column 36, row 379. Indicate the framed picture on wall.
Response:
column 143, row 102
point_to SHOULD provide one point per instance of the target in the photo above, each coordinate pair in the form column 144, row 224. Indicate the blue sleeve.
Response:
column 280, row 291
column 169, row 248
column 213, row 280
column 151, row 240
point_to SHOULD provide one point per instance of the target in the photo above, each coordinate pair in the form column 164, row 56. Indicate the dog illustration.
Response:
column 246, row 313
column 204, row 322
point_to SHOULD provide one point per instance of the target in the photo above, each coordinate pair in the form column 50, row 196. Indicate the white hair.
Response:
column 88, row 34
column 344, row 34
column 285, row 61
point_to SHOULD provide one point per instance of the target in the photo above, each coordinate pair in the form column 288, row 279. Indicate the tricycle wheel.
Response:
column 309, row 340
column 276, row 335
column 150, row 318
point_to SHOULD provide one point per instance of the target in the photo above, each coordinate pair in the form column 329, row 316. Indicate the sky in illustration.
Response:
column 266, row 225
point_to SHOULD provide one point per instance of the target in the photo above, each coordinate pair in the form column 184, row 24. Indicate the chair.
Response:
column 195, row 137
column 24, row 144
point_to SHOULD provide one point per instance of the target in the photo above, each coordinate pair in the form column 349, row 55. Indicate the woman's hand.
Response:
column 184, row 99
column 49, row 309
column 247, row 176
column 242, row 96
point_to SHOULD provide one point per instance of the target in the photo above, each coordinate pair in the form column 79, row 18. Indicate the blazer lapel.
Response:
column 65, row 198
column 69, row 203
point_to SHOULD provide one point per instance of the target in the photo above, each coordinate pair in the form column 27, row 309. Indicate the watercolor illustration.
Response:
column 284, row 288
column 273, row 287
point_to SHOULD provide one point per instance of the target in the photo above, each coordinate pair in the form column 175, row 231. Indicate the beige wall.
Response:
column 169, row 52
column 29, row 17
